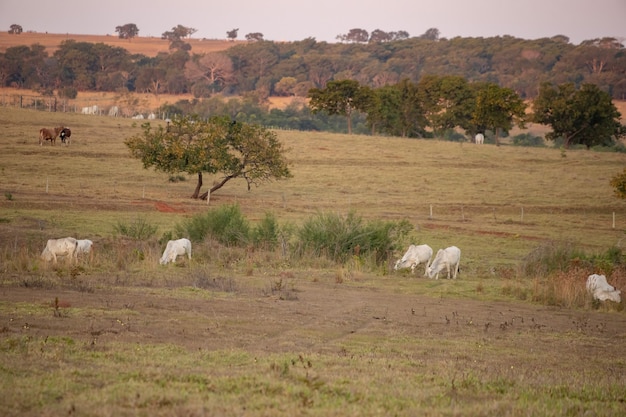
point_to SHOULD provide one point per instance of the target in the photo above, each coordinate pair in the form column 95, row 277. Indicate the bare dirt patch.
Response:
column 321, row 318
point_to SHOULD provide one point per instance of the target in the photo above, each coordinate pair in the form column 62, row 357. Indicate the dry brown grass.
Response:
column 149, row 46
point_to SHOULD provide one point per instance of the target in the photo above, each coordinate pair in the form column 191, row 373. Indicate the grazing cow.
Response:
column 91, row 110
column 448, row 258
column 60, row 247
column 84, row 247
column 175, row 248
column 49, row 134
column 414, row 256
column 151, row 116
column 137, row 117
column 479, row 139
column 601, row 290
column 65, row 135
column 114, row 111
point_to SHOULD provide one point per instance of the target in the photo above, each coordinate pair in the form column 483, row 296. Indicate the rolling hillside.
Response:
column 149, row 46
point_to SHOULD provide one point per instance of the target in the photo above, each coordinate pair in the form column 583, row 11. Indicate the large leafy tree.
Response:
column 342, row 98
column 15, row 29
column 396, row 110
column 447, row 101
column 178, row 32
column 216, row 146
column 497, row 108
column 586, row 116
column 127, row 31
column 214, row 69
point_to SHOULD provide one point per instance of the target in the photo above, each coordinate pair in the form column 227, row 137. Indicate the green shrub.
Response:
column 265, row 234
column 453, row 136
column 528, row 139
column 139, row 228
column 555, row 257
column 226, row 224
column 340, row 237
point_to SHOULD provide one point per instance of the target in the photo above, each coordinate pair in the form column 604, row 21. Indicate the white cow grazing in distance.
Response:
column 175, row 248
column 414, row 256
column 479, row 139
column 601, row 290
column 84, row 246
column 60, row 247
column 448, row 258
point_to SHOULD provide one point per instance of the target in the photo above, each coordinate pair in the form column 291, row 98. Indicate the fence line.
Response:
column 64, row 105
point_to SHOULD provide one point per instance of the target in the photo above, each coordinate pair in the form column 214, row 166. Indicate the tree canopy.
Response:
column 127, row 31
column 15, row 29
column 339, row 97
column 215, row 146
column 497, row 108
column 586, row 116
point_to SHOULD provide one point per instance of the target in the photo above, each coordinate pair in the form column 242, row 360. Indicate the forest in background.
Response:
column 268, row 68
column 238, row 79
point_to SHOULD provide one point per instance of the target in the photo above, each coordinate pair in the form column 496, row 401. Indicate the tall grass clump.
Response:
column 139, row 228
column 341, row 237
column 549, row 258
column 225, row 224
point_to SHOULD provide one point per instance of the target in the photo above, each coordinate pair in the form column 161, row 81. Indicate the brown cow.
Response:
column 49, row 134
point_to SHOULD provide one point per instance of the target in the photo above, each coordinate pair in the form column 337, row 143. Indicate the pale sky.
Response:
column 292, row 20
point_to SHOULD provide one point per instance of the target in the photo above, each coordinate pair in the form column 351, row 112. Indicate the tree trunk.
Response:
column 497, row 135
column 198, row 186
column 216, row 187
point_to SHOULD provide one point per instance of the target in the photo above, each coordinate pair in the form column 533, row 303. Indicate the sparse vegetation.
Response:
column 138, row 228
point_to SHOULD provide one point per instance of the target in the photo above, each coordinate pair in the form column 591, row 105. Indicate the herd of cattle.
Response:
column 72, row 248
column 114, row 111
column 448, row 259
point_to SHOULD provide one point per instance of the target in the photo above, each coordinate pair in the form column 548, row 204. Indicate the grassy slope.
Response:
column 133, row 337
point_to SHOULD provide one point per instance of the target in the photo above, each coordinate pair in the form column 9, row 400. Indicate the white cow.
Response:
column 479, row 139
column 60, row 247
column 601, row 290
column 448, row 258
column 114, row 111
column 84, row 246
column 414, row 256
column 137, row 117
column 175, row 248
column 91, row 110
column 152, row 116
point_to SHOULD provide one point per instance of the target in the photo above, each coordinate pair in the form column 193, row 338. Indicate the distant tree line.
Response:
column 267, row 68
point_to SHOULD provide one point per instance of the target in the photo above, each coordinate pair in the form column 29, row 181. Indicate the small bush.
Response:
column 265, row 234
column 177, row 178
column 341, row 237
column 453, row 136
column 138, row 229
column 225, row 224
column 528, row 139
column 549, row 258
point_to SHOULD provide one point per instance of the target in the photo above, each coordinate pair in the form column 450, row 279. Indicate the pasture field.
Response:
column 150, row 45
column 237, row 331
